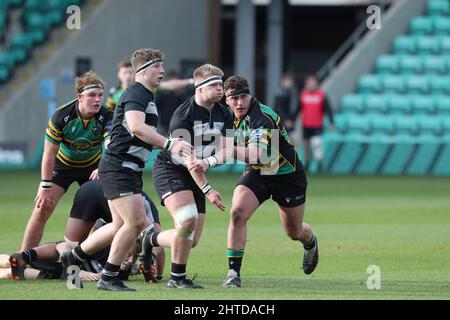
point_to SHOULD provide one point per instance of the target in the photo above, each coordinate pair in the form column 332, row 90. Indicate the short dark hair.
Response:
column 236, row 83
column 124, row 64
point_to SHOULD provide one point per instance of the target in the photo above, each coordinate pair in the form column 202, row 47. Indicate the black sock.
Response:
column 154, row 239
column 79, row 254
column 310, row 244
column 29, row 255
column 235, row 260
column 178, row 271
column 110, row 271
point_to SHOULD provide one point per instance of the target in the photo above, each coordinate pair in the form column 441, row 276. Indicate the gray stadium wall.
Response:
column 109, row 34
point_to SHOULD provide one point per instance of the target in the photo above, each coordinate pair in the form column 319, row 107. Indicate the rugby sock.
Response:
column 79, row 254
column 235, row 260
column 110, row 271
column 29, row 255
column 178, row 271
column 310, row 244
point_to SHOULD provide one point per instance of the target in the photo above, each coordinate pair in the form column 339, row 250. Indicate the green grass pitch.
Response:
column 401, row 224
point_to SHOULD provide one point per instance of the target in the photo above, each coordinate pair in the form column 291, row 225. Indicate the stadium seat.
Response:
column 6, row 60
column 19, row 55
column 4, row 74
column 430, row 125
column 417, row 84
column 369, row 83
column 399, row 104
column 21, row 41
column 438, row 7
column 388, row 64
column 439, row 84
column 358, row 124
column 393, row 84
column 434, row 65
column 377, row 104
column 445, row 121
column 405, row 45
column 411, row 64
column 352, row 103
column 399, row 154
column 424, row 156
column 442, row 103
column 382, row 125
column 444, row 46
column 421, row 26
column 427, row 45
column 374, row 155
column 406, row 125
column 422, row 104
column 441, row 26
column 341, row 123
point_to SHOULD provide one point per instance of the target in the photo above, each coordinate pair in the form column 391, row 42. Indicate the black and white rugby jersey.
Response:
column 125, row 149
column 200, row 127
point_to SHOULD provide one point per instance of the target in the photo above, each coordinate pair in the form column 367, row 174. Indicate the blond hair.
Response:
column 144, row 55
column 205, row 71
column 88, row 79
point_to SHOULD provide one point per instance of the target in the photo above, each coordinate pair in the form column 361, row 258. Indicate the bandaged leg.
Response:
column 185, row 221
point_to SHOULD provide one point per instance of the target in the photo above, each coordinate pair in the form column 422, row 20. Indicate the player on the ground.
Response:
column 133, row 136
column 273, row 170
column 202, row 121
column 72, row 150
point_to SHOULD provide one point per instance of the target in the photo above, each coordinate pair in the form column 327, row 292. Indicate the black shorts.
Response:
column 49, row 270
column 64, row 175
column 311, row 132
column 119, row 181
column 90, row 203
column 288, row 190
column 170, row 178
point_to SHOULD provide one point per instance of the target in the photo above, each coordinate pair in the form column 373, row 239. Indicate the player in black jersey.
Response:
column 72, row 150
column 202, row 121
column 133, row 136
column 89, row 212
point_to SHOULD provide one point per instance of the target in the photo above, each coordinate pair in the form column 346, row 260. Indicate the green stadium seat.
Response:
column 349, row 153
column 399, row 154
column 438, row 7
column 374, row 155
column 37, row 36
column 358, row 124
column 352, row 103
column 399, row 104
column 393, row 84
column 388, row 64
column 441, row 26
column 406, row 125
column 21, row 41
column 421, row 26
column 405, row 45
column 377, row 104
column 382, row 125
column 430, row 125
column 422, row 104
column 369, row 83
column 445, row 121
column 19, row 55
column 427, row 45
column 341, row 123
column 441, row 166
column 434, row 65
column 417, row 84
column 411, row 64
column 6, row 60
column 4, row 74
column 439, row 84
column 35, row 21
column 444, row 46
column 332, row 144
column 424, row 156
column 442, row 103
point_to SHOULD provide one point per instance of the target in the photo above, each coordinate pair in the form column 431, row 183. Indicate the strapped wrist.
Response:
column 206, row 188
column 168, row 144
column 46, row 184
column 212, row 161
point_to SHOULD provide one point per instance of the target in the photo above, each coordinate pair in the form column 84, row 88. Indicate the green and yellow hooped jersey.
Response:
column 80, row 141
column 257, row 130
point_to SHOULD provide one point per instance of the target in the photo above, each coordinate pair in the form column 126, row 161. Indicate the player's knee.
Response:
column 294, row 235
column 238, row 215
column 186, row 221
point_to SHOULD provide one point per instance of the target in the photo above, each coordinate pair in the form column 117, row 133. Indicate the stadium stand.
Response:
column 397, row 121
column 38, row 18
